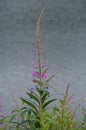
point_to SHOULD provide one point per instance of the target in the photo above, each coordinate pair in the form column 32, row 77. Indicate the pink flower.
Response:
column 36, row 66
column 44, row 75
column 33, row 63
column 35, row 74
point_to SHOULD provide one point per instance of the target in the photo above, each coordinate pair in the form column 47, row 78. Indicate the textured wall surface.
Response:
column 63, row 30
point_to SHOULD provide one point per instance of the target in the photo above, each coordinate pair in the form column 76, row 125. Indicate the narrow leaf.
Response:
column 23, row 122
column 29, row 104
column 33, row 96
column 48, row 102
column 44, row 97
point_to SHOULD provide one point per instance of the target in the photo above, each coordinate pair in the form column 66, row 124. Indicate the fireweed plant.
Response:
column 38, row 100
column 34, row 114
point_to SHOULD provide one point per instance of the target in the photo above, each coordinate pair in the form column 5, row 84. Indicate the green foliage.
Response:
column 32, row 109
column 84, row 119
column 61, row 117
column 82, row 125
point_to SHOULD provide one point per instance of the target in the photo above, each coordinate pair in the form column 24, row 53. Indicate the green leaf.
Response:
column 40, row 91
column 62, row 102
column 24, row 112
column 28, row 112
column 33, row 96
column 48, row 102
column 29, row 115
column 15, row 111
column 13, row 117
column 5, row 119
column 44, row 97
column 23, row 122
column 30, row 104
column 38, row 124
column 23, row 108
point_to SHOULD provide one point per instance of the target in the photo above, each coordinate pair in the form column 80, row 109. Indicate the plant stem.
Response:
column 39, row 55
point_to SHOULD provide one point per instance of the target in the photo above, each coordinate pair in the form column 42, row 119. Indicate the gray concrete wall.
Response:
column 63, row 30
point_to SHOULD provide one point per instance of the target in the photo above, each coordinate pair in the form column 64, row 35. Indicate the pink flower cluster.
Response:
column 40, row 72
column 35, row 75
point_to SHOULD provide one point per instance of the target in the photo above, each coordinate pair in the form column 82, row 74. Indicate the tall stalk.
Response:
column 39, row 54
column 38, row 43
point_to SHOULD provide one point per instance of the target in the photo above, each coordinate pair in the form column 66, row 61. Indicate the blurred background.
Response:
column 63, row 38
